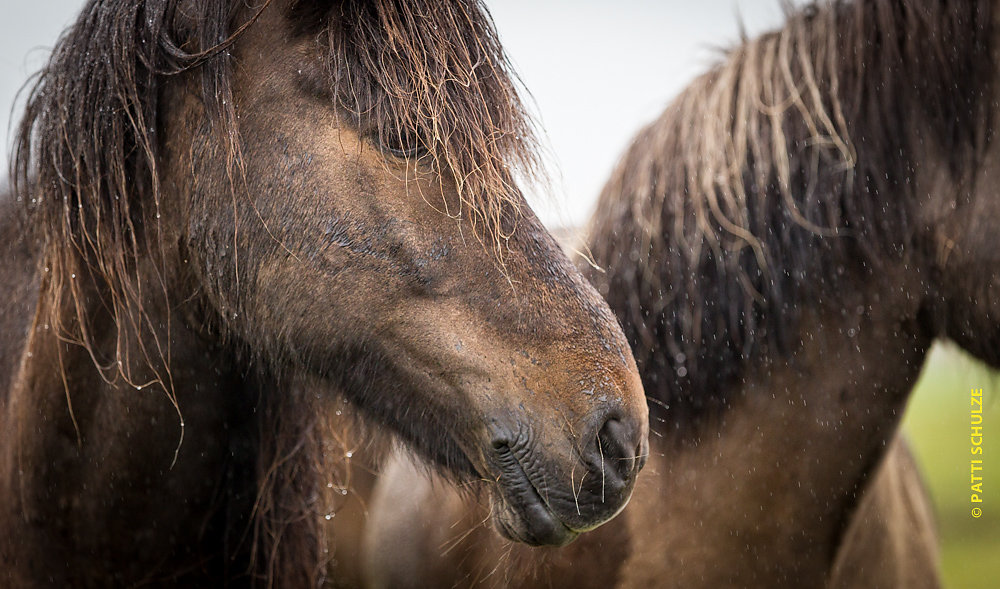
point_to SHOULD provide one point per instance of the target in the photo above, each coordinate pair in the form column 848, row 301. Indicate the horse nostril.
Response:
column 641, row 455
column 617, row 449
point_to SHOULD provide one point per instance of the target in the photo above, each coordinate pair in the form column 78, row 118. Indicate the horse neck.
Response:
column 93, row 466
column 762, row 497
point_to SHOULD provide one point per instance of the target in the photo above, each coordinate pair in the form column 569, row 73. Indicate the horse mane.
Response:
column 86, row 182
column 782, row 176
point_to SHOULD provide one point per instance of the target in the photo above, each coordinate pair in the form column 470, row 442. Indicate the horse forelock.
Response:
column 782, row 175
column 435, row 73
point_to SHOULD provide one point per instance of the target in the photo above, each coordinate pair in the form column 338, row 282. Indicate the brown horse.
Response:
column 782, row 247
column 221, row 214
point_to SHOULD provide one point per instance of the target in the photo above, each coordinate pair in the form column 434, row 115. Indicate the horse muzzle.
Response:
column 540, row 499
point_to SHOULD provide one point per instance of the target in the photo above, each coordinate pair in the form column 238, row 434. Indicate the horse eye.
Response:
column 401, row 143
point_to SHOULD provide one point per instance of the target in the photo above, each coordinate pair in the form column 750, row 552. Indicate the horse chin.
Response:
column 532, row 523
column 520, row 513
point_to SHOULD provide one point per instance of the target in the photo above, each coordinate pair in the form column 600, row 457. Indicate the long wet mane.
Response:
column 782, row 176
column 86, row 181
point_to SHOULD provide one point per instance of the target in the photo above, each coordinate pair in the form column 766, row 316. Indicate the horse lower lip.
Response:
column 539, row 525
column 541, row 528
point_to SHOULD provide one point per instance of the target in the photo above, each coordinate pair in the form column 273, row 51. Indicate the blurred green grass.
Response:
column 937, row 425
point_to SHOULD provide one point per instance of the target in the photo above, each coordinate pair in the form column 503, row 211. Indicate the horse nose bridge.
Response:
column 578, row 383
column 614, row 392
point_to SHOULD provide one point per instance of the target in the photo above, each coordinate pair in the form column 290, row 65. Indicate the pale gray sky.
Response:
column 597, row 70
column 28, row 30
